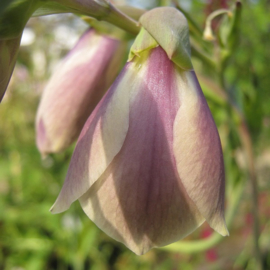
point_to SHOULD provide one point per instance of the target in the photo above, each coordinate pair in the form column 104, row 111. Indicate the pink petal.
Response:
column 100, row 140
column 198, row 152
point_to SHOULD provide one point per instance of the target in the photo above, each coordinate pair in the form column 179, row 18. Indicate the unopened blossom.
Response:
column 75, row 88
column 148, row 166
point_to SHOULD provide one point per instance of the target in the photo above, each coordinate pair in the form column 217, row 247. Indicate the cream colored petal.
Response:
column 198, row 152
column 101, row 139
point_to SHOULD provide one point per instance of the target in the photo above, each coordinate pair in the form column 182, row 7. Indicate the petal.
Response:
column 100, row 140
column 198, row 152
column 140, row 200
column 75, row 89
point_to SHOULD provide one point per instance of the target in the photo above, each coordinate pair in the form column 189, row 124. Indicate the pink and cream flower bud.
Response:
column 75, row 88
column 148, row 165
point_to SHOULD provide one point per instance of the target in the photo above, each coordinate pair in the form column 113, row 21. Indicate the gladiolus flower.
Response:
column 148, row 165
column 75, row 89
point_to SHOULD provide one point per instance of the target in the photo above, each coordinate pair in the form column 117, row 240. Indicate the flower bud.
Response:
column 148, row 166
column 75, row 88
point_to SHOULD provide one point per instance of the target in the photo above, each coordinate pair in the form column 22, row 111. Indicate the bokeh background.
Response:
column 32, row 238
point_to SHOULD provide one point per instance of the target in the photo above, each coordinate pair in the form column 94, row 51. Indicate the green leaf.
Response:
column 14, row 14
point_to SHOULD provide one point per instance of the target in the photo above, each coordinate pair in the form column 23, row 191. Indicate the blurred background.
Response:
column 234, row 72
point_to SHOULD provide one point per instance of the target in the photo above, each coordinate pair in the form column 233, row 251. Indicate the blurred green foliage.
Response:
column 32, row 238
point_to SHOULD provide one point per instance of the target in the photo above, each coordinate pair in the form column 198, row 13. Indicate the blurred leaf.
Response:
column 14, row 15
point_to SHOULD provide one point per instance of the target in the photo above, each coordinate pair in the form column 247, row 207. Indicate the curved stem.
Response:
column 217, row 13
column 121, row 20
column 208, row 34
column 101, row 10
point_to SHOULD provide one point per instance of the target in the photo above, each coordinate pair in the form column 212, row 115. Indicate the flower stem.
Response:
column 121, row 20
column 101, row 10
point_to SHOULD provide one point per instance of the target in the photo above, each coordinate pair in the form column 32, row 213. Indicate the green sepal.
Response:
column 169, row 28
column 144, row 41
